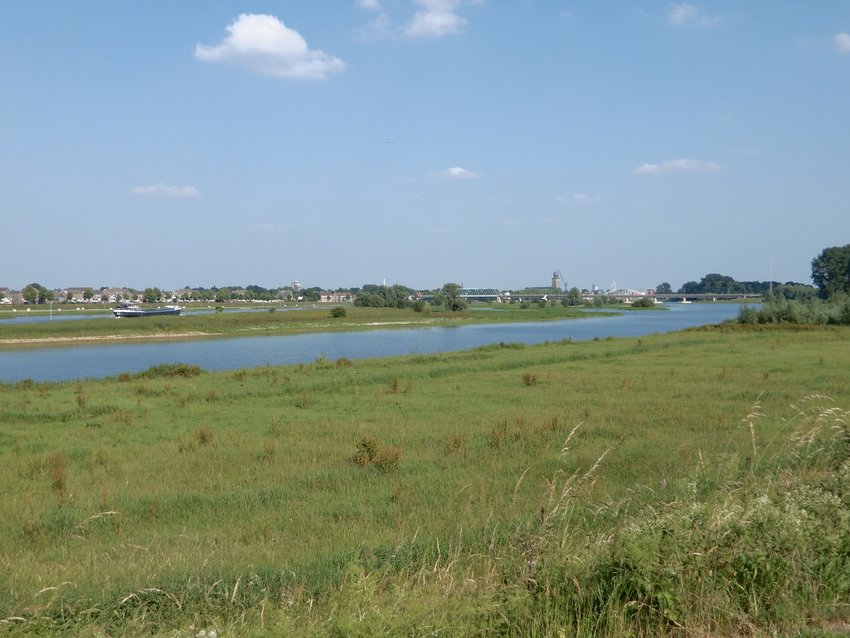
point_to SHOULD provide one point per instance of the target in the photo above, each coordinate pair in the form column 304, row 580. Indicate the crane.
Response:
column 561, row 277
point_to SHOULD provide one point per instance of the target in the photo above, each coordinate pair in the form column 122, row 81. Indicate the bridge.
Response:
column 622, row 294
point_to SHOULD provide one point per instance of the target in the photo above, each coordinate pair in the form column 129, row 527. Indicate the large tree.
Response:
column 831, row 271
column 450, row 297
column 151, row 295
column 36, row 294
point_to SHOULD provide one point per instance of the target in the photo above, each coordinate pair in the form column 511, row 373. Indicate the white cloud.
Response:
column 378, row 28
column 679, row 166
column 682, row 14
column 456, row 172
column 436, row 19
column 369, row 5
column 841, row 42
column 162, row 191
column 583, row 199
column 264, row 44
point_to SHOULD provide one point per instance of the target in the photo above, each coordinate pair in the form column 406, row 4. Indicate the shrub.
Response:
column 56, row 463
column 392, row 388
column 268, row 452
column 367, row 449
column 456, row 444
column 388, row 458
column 170, row 370
column 204, row 435
column 370, row 453
column 338, row 312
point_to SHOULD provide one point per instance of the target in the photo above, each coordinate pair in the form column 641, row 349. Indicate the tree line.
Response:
column 715, row 283
column 831, row 304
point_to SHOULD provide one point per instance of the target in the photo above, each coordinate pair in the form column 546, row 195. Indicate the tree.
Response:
column 36, row 294
column 151, row 295
column 88, row 293
column 449, row 296
column 395, row 296
column 574, row 297
column 831, row 271
column 664, row 289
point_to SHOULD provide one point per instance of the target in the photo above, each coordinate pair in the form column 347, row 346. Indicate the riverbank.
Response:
column 606, row 488
column 294, row 321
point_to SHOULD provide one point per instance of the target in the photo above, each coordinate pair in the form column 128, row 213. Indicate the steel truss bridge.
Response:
column 622, row 294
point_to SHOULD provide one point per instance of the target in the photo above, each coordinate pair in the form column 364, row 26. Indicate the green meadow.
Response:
column 688, row 484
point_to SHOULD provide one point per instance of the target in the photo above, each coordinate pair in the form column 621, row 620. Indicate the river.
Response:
column 69, row 362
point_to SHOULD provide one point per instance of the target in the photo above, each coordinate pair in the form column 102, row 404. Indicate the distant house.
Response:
column 9, row 296
column 184, row 294
column 74, row 295
column 114, row 295
column 337, row 297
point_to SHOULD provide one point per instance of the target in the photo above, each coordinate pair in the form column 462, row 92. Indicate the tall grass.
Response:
column 666, row 486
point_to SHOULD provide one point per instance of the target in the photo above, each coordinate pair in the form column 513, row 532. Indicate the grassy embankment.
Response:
column 691, row 484
column 232, row 323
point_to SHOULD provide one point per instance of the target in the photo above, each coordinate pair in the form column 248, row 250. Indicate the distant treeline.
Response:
column 396, row 296
column 830, row 305
column 725, row 285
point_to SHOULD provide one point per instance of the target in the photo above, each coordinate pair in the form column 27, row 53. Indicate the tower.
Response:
column 556, row 280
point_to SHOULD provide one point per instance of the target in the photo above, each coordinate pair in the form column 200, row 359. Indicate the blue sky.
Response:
column 486, row 142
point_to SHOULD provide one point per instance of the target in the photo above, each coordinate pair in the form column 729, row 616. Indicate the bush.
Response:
column 367, row 449
column 170, row 370
column 338, row 312
column 388, row 457
column 370, row 453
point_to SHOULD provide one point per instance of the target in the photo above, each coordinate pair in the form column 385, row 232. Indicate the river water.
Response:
column 68, row 362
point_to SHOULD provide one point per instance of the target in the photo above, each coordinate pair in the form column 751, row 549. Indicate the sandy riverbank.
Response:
column 84, row 339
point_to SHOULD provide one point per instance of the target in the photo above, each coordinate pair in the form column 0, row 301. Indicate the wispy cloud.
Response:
column 162, row 191
column 841, row 42
column 437, row 18
column 679, row 166
column 683, row 14
column 583, row 199
column 379, row 28
column 264, row 44
column 456, row 172
column 369, row 5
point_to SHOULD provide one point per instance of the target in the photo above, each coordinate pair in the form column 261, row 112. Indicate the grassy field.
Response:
column 687, row 484
column 291, row 321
